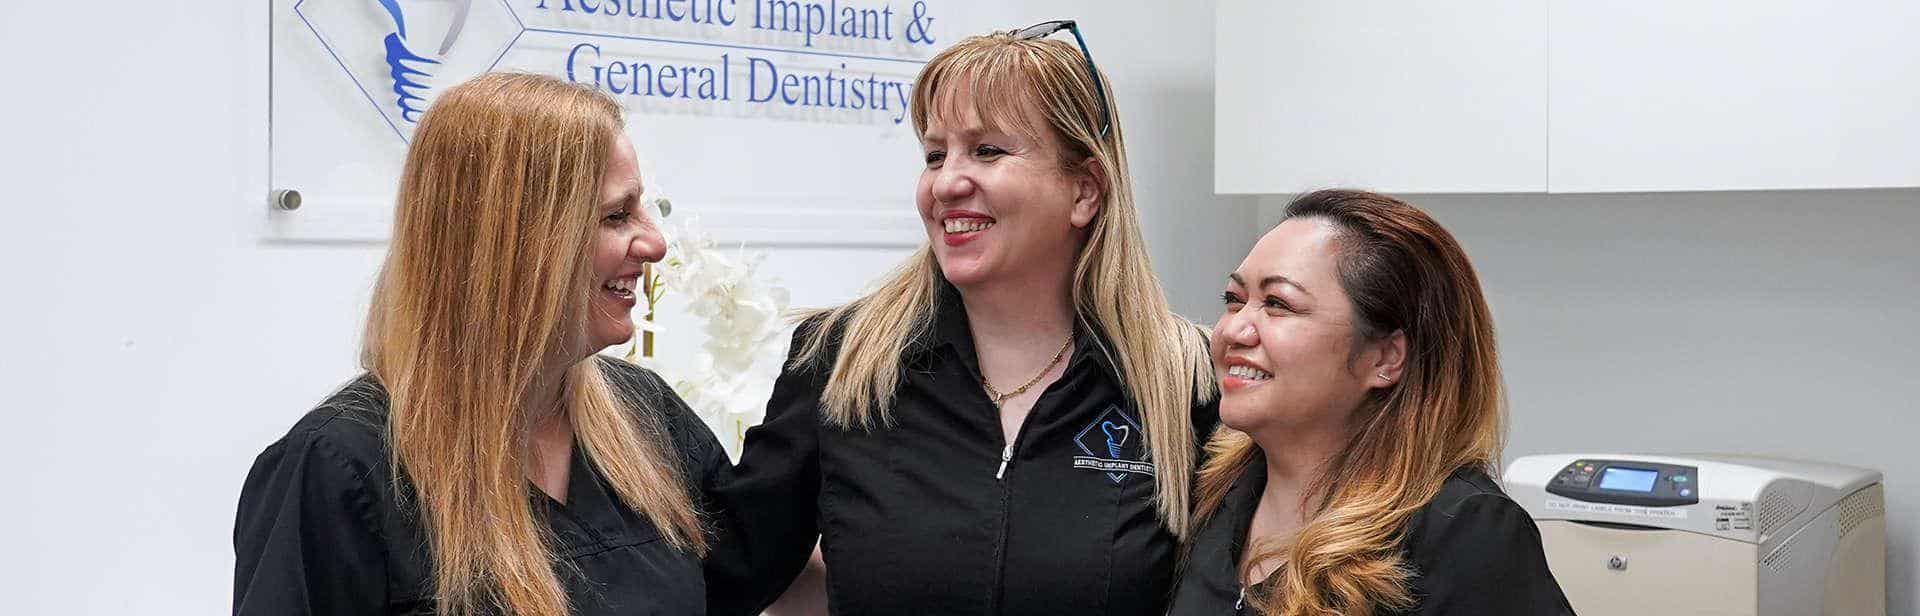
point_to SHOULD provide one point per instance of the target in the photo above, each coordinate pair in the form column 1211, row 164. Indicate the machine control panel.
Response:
column 1625, row 482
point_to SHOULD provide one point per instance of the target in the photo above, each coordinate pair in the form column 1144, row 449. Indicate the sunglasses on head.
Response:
column 1047, row 28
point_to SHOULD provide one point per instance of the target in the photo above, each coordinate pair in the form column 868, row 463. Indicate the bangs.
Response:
column 983, row 84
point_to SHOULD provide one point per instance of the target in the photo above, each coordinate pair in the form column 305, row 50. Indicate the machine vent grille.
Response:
column 1861, row 506
column 1781, row 503
column 1781, row 558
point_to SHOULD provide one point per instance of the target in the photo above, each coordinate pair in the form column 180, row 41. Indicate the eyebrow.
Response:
column 1271, row 280
column 970, row 132
column 632, row 192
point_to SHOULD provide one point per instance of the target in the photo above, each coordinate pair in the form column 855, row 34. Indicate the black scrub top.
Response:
column 921, row 517
column 1473, row 552
column 321, row 529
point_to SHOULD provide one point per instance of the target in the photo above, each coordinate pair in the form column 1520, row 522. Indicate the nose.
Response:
column 1237, row 328
column 953, row 182
column 647, row 246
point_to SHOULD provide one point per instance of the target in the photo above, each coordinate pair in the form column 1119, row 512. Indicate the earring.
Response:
column 1384, row 377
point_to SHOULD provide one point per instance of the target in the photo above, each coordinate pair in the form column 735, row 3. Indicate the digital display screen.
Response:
column 1628, row 479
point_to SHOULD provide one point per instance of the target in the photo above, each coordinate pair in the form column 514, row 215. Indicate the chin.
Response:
column 604, row 337
column 963, row 271
column 966, row 278
column 1243, row 414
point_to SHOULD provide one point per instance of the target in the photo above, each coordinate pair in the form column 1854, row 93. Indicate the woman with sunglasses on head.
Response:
column 1007, row 424
column 1361, row 414
column 487, row 461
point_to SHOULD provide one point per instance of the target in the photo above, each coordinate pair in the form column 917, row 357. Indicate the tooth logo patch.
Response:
column 1114, row 445
column 1116, row 437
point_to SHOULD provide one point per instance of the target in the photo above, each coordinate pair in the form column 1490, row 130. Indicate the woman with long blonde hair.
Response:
column 1007, row 423
column 1361, row 414
column 488, row 462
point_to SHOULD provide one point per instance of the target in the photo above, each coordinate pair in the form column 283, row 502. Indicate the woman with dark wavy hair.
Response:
column 1361, row 414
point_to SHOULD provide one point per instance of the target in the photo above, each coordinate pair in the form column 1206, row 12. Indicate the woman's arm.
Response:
column 768, row 504
column 807, row 596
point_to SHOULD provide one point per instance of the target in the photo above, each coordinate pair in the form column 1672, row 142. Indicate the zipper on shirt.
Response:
column 1006, row 509
column 1006, row 453
column 1006, row 493
column 1000, row 549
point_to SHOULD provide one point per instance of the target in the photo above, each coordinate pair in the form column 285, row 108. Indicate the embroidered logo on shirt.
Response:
column 1114, row 444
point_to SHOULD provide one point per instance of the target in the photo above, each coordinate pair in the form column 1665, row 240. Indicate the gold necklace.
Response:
column 1000, row 397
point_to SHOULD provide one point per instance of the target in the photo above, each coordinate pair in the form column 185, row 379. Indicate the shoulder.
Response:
column 817, row 322
column 815, row 347
column 1470, row 519
column 818, row 333
column 1468, row 484
column 644, row 391
column 1475, row 551
column 351, row 422
column 631, row 379
column 339, row 444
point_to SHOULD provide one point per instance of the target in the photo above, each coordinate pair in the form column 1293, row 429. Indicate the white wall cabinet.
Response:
column 1422, row 96
column 1733, row 95
column 1567, row 95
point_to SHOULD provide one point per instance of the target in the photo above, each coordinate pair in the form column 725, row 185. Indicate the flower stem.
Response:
column 646, row 338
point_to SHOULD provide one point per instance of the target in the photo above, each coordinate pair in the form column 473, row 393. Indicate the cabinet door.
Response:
column 1395, row 95
column 1733, row 95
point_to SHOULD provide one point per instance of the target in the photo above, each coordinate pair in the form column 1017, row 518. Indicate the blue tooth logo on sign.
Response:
column 1112, row 447
column 410, row 80
column 385, row 47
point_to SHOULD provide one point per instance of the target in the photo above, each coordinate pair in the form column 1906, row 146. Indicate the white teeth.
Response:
column 623, row 285
column 965, row 225
column 1248, row 372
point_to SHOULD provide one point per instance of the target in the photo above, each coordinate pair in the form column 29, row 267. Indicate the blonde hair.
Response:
column 1402, row 272
column 1162, row 359
column 487, row 281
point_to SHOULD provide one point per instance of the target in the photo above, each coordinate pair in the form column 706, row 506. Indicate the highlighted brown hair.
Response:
column 1405, row 273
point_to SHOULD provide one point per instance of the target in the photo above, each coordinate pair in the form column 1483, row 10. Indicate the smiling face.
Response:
column 624, row 238
column 1284, row 348
column 997, row 204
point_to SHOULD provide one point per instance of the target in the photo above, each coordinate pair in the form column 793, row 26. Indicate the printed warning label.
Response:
column 1733, row 517
column 1663, row 513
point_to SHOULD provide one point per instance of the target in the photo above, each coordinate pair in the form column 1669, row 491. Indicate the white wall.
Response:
column 153, row 344
column 1773, row 323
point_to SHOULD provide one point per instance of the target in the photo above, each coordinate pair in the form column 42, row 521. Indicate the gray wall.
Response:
column 1775, row 323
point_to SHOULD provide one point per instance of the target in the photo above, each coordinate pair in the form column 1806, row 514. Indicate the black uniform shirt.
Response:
column 320, row 529
column 923, row 518
column 1473, row 552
